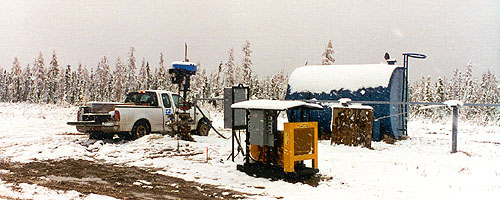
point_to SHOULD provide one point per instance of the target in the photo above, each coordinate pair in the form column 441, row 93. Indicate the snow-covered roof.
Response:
column 351, row 106
column 346, row 103
column 265, row 104
column 325, row 78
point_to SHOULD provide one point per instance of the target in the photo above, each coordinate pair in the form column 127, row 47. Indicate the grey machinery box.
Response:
column 240, row 94
column 262, row 125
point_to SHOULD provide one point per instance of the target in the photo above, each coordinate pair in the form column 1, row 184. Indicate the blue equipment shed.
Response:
column 372, row 82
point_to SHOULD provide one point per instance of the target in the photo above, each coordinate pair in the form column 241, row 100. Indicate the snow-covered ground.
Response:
column 420, row 167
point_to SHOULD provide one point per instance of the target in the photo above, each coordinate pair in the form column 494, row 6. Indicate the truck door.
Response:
column 154, row 111
column 168, row 111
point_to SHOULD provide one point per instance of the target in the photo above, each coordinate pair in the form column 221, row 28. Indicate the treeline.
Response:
column 51, row 83
column 461, row 86
column 39, row 82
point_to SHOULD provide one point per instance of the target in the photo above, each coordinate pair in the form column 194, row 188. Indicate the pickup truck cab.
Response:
column 143, row 112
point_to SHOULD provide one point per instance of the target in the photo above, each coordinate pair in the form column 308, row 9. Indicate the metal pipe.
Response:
column 384, row 117
column 454, row 130
column 405, row 125
column 233, row 132
column 398, row 103
column 209, row 99
column 406, row 57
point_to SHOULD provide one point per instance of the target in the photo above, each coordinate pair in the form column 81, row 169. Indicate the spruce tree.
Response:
column 98, row 82
column 143, row 76
column 119, row 81
column 161, row 75
column 40, row 75
column 246, row 65
column 106, row 79
column 328, row 54
column 67, row 86
column 16, row 85
column 53, row 80
column 229, row 72
column 149, row 77
column 82, row 85
column 3, row 88
column 440, row 90
column 92, row 86
column 28, row 85
column 131, row 76
column 219, row 81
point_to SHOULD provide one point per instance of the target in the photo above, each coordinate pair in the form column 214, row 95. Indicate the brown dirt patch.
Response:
column 111, row 180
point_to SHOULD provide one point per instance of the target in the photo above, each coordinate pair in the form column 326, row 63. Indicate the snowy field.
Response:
column 420, row 167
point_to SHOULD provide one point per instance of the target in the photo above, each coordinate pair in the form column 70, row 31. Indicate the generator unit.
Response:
column 277, row 153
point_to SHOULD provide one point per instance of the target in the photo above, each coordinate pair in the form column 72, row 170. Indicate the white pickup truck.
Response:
column 143, row 112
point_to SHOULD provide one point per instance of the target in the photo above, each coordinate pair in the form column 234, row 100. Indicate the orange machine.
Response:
column 300, row 143
column 279, row 154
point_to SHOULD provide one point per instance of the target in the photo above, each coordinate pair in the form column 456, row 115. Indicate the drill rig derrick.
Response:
column 181, row 73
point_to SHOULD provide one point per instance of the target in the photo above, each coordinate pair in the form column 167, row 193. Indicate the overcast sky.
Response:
column 283, row 34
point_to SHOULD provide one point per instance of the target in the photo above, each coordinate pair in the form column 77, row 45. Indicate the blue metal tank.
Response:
column 372, row 82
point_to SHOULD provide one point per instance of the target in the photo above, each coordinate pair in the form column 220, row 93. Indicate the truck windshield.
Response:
column 143, row 98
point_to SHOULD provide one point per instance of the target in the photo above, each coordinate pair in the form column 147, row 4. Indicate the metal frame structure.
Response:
column 455, row 110
column 405, row 95
column 235, row 128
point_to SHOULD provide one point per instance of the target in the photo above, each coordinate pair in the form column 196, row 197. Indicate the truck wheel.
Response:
column 95, row 135
column 125, row 135
column 107, row 136
column 203, row 127
column 140, row 129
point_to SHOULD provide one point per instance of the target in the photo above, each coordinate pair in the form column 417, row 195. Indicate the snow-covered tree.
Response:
column 149, row 79
column 328, row 54
column 28, row 85
column 229, row 71
column 83, row 84
column 469, row 85
column 218, row 81
column 74, row 88
column 463, row 87
column 16, row 86
column 92, row 89
column 67, row 86
column 488, row 92
column 3, row 86
column 119, row 81
column 53, row 80
column 161, row 75
column 103, row 80
column 106, row 79
column 199, row 84
column 246, row 64
column 40, row 75
column 440, row 90
column 144, row 79
column 131, row 84
column 489, row 88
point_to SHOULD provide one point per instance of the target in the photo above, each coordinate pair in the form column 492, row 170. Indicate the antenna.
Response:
column 186, row 52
